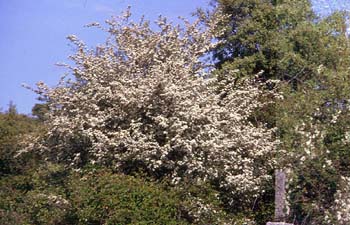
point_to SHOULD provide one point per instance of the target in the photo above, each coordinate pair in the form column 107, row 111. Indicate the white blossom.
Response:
column 145, row 97
column 341, row 206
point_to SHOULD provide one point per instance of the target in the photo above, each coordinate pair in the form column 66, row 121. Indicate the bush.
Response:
column 106, row 198
column 14, row 128
column 52, row 195
column 37, row 197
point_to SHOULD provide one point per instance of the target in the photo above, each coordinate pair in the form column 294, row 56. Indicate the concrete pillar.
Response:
column 280, row 196
column 280, row 199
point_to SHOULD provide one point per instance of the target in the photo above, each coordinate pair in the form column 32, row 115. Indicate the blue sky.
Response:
column 32, row 35
column 326, row 7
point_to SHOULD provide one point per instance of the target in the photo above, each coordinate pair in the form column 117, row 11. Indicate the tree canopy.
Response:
column 284, row 40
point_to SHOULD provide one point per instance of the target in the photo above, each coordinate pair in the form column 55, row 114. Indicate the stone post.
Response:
column 280, row 196
column 280, row 199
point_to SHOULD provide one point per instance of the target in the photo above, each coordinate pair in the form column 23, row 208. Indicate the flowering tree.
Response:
column 314, row 127
column 145, row 100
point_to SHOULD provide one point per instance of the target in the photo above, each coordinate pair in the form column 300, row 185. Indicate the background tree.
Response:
column 39, row 111
column 285, row 40
column 313, row 125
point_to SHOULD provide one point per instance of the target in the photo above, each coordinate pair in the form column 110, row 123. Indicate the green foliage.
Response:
column 14, row 128
column 50, row 194
column 312, row 192
column 313, row 124
column 40, row 110
column 284, row 39
column 37, row 197
column 106, row 198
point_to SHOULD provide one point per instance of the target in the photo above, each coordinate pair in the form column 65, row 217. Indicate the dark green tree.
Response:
column 287, row 41
column 281, row 39
column 39, row 111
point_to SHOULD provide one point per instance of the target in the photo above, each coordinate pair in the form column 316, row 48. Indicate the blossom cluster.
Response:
column 146, row 99
column 340, row 210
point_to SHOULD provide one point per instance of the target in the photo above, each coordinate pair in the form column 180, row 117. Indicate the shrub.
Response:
column 36, row 197
column 52, row 195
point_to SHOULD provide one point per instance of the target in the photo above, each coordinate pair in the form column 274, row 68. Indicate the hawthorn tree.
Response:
column 146, row 101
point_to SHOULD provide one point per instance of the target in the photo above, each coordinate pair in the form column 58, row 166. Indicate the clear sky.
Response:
column 326, row 7
column 32, row 35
